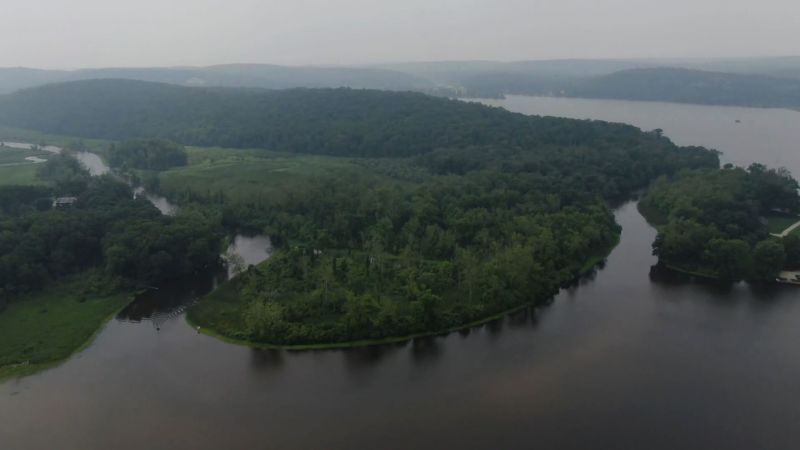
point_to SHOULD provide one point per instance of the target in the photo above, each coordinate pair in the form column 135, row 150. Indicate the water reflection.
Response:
column 360, row 359
column 426, row 350
column 245, row 251
column 523, row 318
column 172, row 300
column 266, row 359
column 667, row 277
column 677, row 287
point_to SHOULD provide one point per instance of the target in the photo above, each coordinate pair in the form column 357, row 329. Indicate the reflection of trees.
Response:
column 425, row 350
column 266, row 358
column 361, row 358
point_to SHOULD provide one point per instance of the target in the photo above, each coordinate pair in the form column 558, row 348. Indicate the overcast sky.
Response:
column 93, row 33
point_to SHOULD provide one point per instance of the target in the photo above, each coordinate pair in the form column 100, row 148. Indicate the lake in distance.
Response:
column 630, row 359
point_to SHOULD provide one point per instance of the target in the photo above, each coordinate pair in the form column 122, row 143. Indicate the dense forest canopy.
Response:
column 337, row 122
column 711, row 221
column 105, row 228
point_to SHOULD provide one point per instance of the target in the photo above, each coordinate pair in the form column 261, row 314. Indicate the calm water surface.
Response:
column 631, row 359
column 770, row 136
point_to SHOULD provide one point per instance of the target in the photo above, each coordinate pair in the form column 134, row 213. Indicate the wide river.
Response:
column 631, row 359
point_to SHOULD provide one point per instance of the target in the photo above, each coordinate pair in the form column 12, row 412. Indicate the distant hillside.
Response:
column 725, row 81
column 340, row 122
column 689, row 86
column 235, row 75
column 493, row 79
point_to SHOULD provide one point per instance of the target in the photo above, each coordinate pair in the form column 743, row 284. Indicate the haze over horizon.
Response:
column 97, row 33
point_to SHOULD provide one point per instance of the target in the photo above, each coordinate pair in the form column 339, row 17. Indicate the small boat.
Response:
column 738, row 121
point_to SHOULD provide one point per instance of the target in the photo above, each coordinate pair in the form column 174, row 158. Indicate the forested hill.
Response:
column 233, row 75
column 690, row 86
column 339, row 122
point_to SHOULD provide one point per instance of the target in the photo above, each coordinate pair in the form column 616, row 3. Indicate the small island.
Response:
column 729, row 224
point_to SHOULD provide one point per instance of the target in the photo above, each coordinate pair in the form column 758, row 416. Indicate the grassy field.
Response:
column 22, row 174
column 249, row 175
column 14, row 169
column 48, row 327
column 34, row 137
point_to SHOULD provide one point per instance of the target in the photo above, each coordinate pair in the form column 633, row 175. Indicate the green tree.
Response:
column 732, row 259
column 769, row 258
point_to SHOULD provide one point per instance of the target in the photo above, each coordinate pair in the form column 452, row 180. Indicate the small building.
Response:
column 64, row 202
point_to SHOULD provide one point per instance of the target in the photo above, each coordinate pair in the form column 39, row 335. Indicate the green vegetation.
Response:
column 42, row 329
column 15, row 169
column 104, row 228
column 246, row 176
column 709, row 221
column 15, row 175
column 395, row 214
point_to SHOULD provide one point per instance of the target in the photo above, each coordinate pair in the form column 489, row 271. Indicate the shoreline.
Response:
column 591, row 263
column 25, row 369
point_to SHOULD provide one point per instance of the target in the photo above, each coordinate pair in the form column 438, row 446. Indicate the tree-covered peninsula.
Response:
column 716, row 223
column 395, row 214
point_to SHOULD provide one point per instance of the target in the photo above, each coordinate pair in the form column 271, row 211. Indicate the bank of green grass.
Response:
column 249, row 176
column 15, row 170
column 19, row 175
column 44, row 329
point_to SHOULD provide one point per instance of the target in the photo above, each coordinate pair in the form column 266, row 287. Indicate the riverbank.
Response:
column 657, row 220
column 44, row 329
column 226, row 307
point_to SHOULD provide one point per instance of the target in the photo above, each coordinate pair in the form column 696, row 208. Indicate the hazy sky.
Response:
column 91, row 33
